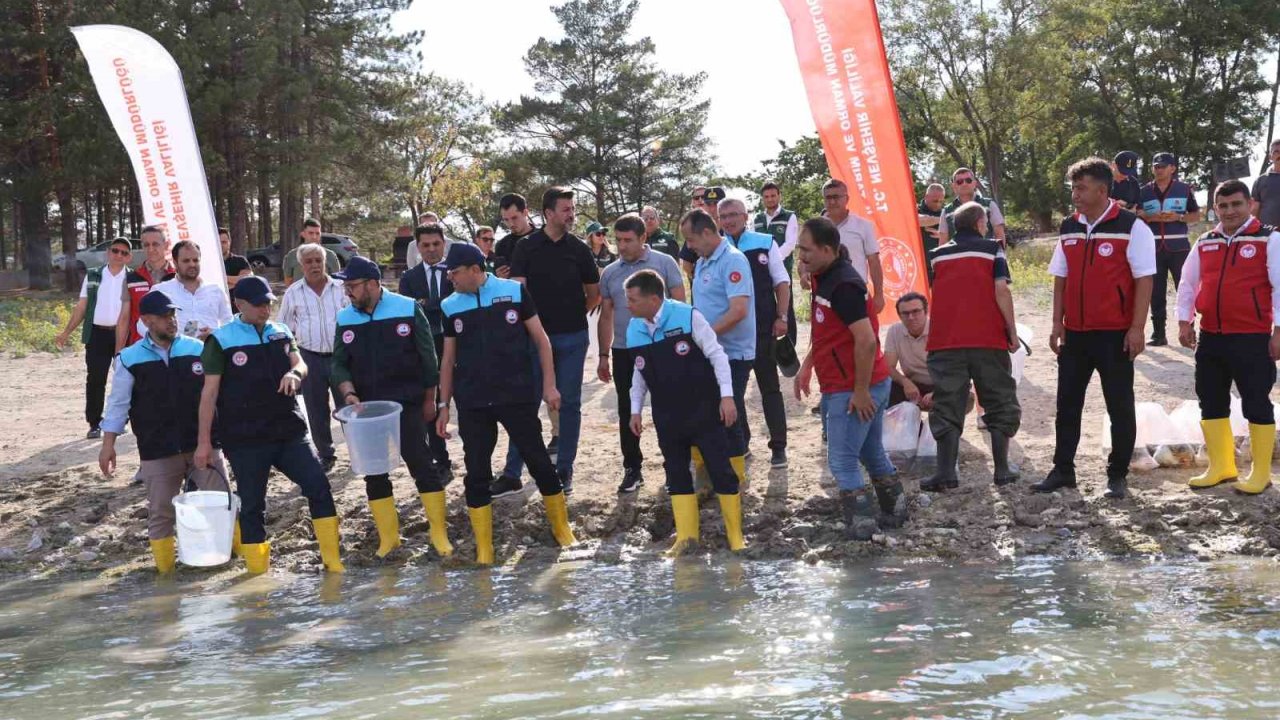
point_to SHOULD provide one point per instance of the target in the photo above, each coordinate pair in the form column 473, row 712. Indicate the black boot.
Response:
column 1056, row 479
column 1158, row 338
column 1004, row 472
column 893, row 502
column 945, row 476
column 1117, row 488
column 859, row 509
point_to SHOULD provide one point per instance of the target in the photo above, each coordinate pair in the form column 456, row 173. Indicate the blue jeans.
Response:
column 569, row 356
column 849, row 439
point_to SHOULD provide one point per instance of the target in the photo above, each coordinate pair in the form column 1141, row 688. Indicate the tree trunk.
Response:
column 19, row 239
column 67, row 218
column 264, row 205
column 4, row 250
column 35, row 228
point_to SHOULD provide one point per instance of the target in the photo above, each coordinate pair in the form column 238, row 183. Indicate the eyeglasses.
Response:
column 119, row 251
column 963, row 181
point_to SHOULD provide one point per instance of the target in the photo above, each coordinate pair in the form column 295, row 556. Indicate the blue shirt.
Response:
column 716, row 280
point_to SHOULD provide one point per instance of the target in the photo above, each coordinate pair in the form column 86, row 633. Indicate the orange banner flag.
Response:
column 846, row 75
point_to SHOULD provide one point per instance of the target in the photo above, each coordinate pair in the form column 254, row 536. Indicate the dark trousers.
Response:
column 1240, row 358
column 990, row 372
column 736, row 433
column 439, row 448
column 775, row 411
column 297, row 460
column 98, row 354
column 624, row 364
column 898, row 395
column 316, row 392
column 414, row 452
column 478, row 428
column 1167, row 263
column 677, row 435
column 1083, row 353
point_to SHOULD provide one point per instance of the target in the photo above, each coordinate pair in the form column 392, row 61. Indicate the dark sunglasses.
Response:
column 963, row 181
column 119, row 251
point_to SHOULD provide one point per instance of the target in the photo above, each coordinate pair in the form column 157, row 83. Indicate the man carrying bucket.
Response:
column 383, row 351
column 252, row 374
column 156, row 386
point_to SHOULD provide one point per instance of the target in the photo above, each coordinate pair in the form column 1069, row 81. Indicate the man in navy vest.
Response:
column 1169, row 206
column 491, row 328
column 252, row 375
column 428, row 283
column 156, row 387
column 783, row 225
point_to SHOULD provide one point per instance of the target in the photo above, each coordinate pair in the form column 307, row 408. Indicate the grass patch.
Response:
column 29, row 324
column 1029, row 265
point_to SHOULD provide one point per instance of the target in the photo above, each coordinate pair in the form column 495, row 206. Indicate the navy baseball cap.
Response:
column 359, row 268
column 156, row 303
column 253, row 290
column 1165, row 158
column 463, row 255
column 1127, row 162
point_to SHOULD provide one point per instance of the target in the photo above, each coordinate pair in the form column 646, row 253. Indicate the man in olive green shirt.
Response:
column 292, row 269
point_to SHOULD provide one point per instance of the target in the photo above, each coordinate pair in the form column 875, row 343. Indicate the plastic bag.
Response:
column 926, row 450
column 1019, row 358
column 1239, row 426
column 901, row 430
column 1175, row 456
column 1141, row 460
column 1186, row 418
column 1154, row 425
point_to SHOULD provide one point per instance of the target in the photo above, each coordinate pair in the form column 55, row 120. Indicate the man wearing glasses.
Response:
column 858, row 236
column 964, row 188
column 657, row 238
column 905, row 353
column 1168, row 206
column 155, row 269
column 103, row 299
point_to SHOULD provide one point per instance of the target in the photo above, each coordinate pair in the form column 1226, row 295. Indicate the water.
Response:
column 655, row 640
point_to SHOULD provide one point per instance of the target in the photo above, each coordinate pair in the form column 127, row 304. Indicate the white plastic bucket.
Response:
column 206, row 521
column 372, row 430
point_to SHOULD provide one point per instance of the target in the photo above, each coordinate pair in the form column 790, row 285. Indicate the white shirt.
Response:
column 312, row 317
column 107, row 309
column 705, row 338
column 1189, row 286
column 858, row 236
column 1141, row 253
column 792, row 235
column 208, row 307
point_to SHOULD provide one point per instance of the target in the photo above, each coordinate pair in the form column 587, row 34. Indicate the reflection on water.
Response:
column 1040, row 639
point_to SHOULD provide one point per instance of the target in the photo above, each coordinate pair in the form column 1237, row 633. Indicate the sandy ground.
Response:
column 59, row 515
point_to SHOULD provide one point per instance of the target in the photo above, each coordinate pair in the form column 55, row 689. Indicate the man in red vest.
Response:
column 154, row 269
column 1230, row 279
column 1102, row 270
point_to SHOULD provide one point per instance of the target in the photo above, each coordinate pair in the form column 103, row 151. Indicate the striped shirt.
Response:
column 312, row 317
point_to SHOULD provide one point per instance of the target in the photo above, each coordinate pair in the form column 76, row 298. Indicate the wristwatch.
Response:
column 295, row 373
column 442, row 404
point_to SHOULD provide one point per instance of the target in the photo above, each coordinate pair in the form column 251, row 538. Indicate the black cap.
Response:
column 1165, row 158
column 1127, row 162
column 463, row 255
column 359, row 268
column 156, row 303
column 253, row 290
column 714, row 194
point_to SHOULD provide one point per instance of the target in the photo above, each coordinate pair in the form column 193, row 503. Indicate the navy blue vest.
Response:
column 165, row 405
column 251, row 411
column 756, row 247
column 381, row 350
column 682, row 382
column 493, row 364
column 1169, row 235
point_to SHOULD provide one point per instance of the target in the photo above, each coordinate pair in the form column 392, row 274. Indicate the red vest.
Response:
column 965, row 313
column 1234, row 295
column 1099, row 279
column 140, row 283
column 832, row 343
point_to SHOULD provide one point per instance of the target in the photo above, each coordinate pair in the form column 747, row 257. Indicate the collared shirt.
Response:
column 614, row 278
column 207, row 307
column 792, row 234
column 106, row 311
column 717, row 279
column 911, row 352
column 858, row 236
column 121, row 396
column 1141, row 250
column 557, row 273
column 705, row 338
column 313, row 317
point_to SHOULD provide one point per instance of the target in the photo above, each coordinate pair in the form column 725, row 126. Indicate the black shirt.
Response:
column 555, row 273
column 1129, row 191
column 850, row 303
column 505, row 249
column 234, row 265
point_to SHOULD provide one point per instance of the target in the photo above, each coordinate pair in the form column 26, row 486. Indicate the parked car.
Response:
column 96, row 256
column 272, row 256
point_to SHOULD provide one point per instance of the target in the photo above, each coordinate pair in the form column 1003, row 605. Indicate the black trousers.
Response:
column 991, row 374
column 624, row 364
column 98, row 354
column 316, row 393
column 252, row 466
column 1082, row 354
column 478, row 428
column 416, row 455
column 677, row 435
column 439, row 448
column 775, row 410
column 1240, row 358
column 1167, row 263
column 736, row 434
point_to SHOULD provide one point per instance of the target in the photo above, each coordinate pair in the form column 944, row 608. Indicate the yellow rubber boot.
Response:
column 327, row 538
column 257, row 557
column 731, row 510
column 433, row 503
column 387, row 520
column 739, row 463
column 482, row 528
column 558, row 516
column 166, row 554
column 1222, row 454
column 1262, row 442
column 685, row 509
column 235, row 541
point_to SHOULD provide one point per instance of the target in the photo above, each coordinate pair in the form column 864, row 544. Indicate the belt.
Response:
column 321, row 354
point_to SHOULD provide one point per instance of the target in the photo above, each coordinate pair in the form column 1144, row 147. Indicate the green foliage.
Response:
column 1029, row 266
column 799, row 169
column 30, row 324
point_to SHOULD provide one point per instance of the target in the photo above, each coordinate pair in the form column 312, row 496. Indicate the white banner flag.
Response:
column 142, row 89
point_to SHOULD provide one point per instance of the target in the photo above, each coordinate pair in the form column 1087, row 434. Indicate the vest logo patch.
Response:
column 276, row 336
column 512, row 317
column 640, row 363
column 402, row 329
column 818, row 315
column 1211, row 247
column 762, row 258
column 348, row 337
column 504, row 298
column 239, row 359
column 197, row 368
column 682, row 347
column 1248, row 251
column 673, row 332
column 736, row 276
column 1105, row 249
column 457, row 325
column 1071, row 241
